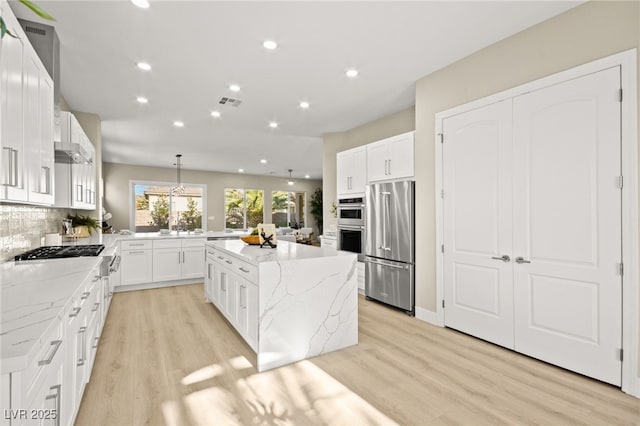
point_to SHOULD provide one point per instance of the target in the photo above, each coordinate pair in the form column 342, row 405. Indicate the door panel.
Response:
column 567, row 223
column 478, row 223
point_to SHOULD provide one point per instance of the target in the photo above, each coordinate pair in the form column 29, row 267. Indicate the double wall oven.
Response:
column 351, row 216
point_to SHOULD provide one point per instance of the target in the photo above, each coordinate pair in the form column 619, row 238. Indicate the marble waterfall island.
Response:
column 289, row 303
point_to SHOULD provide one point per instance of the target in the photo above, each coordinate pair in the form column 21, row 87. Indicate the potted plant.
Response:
column 316, row 208
column 85, row 225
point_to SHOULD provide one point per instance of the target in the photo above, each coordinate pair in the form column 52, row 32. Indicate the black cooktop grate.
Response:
column 59, row 252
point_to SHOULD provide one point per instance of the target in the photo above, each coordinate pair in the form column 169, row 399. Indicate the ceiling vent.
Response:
column 230, row 101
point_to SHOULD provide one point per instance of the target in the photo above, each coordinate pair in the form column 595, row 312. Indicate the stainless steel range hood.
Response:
column 45, row 41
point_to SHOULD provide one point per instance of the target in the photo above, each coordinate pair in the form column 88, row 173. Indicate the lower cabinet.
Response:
column 232, row 286
column 161, row 260
column 136, row 266
column 177, row 259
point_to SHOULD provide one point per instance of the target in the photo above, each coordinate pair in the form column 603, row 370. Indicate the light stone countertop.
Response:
column 285, row 251
column 33, row 294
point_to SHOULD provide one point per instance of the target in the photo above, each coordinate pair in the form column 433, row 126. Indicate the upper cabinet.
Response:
column 391, row 158
column 75, row 166
column 26, row 120
column 351, row 171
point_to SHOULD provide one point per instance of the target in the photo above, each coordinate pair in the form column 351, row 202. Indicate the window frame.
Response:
column 244, row 204
column 303, row 210
column 132, row 200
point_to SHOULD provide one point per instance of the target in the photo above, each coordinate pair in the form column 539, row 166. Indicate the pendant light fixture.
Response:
column 179, row 188
column 291, row 182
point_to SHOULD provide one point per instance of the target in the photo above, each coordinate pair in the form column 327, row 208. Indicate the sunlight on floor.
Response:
column 300, row 393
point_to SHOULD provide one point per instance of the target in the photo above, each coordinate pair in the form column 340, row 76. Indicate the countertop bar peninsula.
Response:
column 289, row 303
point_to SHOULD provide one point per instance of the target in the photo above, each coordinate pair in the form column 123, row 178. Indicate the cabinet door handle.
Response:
column 135, row 244
column 243, row 305
column 83, row 358
column 178, row 257
column 95, row 342
column 12, row 167
column 220, row 257
column 79, row 192
column 136, row 252
column 209, row 270
column 229, row 262
column 75, row 312
column 55, row 396
column 88, row 193
column 522, row 260
column 244, row 270
column 86, row 294
column 95, row 306
column 389, row 167
column 46, row 178
column 182, row 257
column 56, row 344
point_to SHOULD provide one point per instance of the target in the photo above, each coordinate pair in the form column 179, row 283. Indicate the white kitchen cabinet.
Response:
column 192, row 258
column 167, row 260
column 75, row 185
column 14, row 177
column 26, row 120
column 234, row 291
column 329, row 242
column 351, row 171
column 177, row 259
column 391, row 158
column 136, row 264
column 247, row 310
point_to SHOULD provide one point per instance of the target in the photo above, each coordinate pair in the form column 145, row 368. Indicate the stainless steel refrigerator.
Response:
column 390, row 244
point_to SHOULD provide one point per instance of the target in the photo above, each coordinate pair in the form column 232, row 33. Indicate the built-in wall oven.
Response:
column 351, row 216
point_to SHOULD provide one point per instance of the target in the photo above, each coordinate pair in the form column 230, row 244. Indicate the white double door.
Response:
column 532, row 224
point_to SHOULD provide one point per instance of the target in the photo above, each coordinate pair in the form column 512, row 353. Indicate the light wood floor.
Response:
column 167, row 357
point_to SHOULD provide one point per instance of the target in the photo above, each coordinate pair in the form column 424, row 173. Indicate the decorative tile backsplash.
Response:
column 23, row 227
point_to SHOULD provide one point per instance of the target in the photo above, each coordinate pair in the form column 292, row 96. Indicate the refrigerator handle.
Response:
column 389, row 265
column 385, row 210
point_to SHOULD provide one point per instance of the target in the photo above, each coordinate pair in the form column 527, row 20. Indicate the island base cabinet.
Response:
column 247, row 324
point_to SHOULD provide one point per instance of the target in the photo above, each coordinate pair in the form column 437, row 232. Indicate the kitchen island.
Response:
column 289, row 303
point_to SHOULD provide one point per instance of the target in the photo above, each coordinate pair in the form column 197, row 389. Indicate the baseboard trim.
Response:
column 148, row 286
column 428, row 316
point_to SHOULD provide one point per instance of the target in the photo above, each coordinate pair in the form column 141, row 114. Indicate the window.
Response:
column 155, row 208
column 243, row 208
column 288, row 209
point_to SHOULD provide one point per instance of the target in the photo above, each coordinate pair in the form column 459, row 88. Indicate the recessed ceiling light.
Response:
column 215, row 114
column 352, row 73
column 273, row 125
column 307, row 176
column 241, row 170
column 304, row 105
column 263, row 161
column 234, row 88
column 178, row 123
column 144, row 66
column 142, row 4
column 142, row 99
column 270, row 44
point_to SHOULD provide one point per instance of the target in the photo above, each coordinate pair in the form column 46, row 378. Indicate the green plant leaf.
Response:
column 3, row 28
column 37, row 10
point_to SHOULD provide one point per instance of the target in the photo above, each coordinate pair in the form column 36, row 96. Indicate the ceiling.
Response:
column 198, row 48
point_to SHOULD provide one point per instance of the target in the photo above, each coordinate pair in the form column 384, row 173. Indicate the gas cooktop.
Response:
column 58, row 252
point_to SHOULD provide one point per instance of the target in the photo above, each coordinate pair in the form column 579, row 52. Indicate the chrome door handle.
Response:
column 520, row 259
column 504, row 258
column 75, row 312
